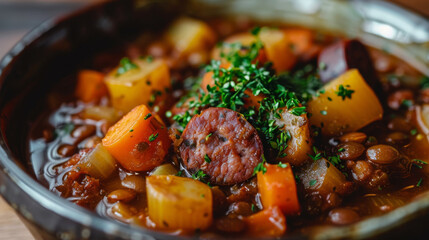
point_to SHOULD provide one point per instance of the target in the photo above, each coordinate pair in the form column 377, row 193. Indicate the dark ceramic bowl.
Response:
column 55, row 49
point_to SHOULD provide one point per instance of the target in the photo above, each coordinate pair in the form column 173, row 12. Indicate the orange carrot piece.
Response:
column 278, row 188
column 90, row 86
column 138, row 141
column 267, row 223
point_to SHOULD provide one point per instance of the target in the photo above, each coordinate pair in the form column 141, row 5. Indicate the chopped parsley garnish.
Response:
column 418, row 163
column 335, row 160
column 207, row 158
column 419, row 183
column 208, row 136
column 260, row 167
column 341, row 149
column 424, row 83
column 255, row 31
column 199, row 175
column 253, row 208
column 168, row 114
column 317, row 156
column 147, row 116
column 406, row 103
column 125, row 65
column 131, row 130
column 413, row 131
column 282, row 165
column 179, row 173
column 152, row 137
column 324, row 112
column 344, row 92
column 244, row 76
column 313, row 182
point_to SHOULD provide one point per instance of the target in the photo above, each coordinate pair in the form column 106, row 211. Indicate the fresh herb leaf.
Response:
column 343, row 92
column 324, row 112
column 419, row 183
column 152, row 137
column 282, row 165
column 207, row 158
column 313, row 182
column 125, row 65
column 147, row 116
column 199, row 175
column 255, row 31
column 424, row 83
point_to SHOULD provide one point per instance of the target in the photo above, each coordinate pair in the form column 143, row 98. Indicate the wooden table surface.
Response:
column 11, row 30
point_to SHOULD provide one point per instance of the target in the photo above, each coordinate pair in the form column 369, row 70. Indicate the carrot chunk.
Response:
column 90, row 86
column 277, row 188
column 267, row 223
column 138, row 141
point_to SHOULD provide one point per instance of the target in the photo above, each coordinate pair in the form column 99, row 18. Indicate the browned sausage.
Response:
column 222, row 144
column 344, row 55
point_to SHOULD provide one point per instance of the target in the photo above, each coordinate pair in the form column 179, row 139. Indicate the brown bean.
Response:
column 123, row 211
column 362, row 170
column 350, row 150
column 66, row 150
column 92, row 142
column 83, row 132
column 124, row 195
column 219, row 199
column 343, row 216
column 396, row 99
column 378, row 179
column 397, row 138
column 399, row 124
column 382, row 154
column 230, row 225
column 357, row 137
column 135, row 182
column 240, row 209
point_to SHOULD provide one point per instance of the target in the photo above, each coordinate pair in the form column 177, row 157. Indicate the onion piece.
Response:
column 98, row 163
column 165, row 169
column 323, row 177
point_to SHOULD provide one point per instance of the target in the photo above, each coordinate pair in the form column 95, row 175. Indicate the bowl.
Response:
column 54, row 49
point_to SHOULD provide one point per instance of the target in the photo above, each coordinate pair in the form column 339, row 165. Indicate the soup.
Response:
column 230, row 127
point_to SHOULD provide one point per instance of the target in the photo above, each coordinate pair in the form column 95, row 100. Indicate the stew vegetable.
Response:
column 224, row 127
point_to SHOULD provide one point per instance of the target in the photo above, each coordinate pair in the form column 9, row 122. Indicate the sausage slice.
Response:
column 222, row 144
column 343, row 55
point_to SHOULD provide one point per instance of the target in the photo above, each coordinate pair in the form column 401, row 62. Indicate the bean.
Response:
column 123, row 211
column 397, row 138
column 399, row 124
column 343, row 216
column 357, row 137
column 362, row 170
column 92, row 142
column 83, row 132
column 395, row 100
column 230, row 225
column 379, row 179
column 135, row 182
column 66, row 150
column 350, row 150
column 333, row 200
column 382, row 154
column 124, row 195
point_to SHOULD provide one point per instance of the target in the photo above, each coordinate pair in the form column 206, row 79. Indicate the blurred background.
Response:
column 17, row 17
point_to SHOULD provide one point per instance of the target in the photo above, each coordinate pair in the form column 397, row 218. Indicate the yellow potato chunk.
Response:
column 146, row 83
column 187, row 35
column 336, row 115
column 178, row 202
